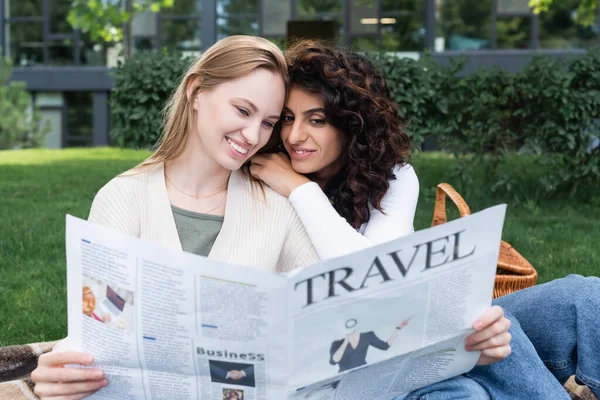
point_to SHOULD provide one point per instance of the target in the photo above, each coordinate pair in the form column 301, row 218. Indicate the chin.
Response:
column 302, row 168
column 231, row 164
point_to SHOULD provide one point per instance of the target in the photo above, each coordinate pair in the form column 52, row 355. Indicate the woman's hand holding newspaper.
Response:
column 492, row 336
column 54, row 380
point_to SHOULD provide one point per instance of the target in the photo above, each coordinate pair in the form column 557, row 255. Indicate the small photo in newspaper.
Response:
column 233, row 394
column 358, row 333
column 108, row 304
column 231, row 373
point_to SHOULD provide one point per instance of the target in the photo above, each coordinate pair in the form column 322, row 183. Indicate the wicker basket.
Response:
column 514, row 271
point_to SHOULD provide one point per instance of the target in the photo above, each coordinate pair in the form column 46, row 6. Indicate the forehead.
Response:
column 298, row 98
column 262, row 87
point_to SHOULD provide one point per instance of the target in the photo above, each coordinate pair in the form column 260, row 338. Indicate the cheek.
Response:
column 332, row 145
column 285, row 132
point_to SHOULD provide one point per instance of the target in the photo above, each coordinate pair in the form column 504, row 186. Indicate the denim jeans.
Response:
column 554, row 335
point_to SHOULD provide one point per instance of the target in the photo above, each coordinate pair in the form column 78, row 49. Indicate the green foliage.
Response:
column 585, row 14
column 104, row 20
column 20, row 125
column 143, row 85
column 551, row 107
column 417, row 88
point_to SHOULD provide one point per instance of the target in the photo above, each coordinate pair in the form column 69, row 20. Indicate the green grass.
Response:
column 38, row 187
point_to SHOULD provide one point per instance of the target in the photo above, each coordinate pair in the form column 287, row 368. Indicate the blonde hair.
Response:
column 228, row 59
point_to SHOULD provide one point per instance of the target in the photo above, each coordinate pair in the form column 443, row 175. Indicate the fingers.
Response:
column 497, row 328
column 500, row 340
column 489, row 317
column 71, row 396
column 50, row 390
column 498, row 353
column 258, row 159
column 489, row 356
column 60, row 358
column 66, row 374
column 256, row 170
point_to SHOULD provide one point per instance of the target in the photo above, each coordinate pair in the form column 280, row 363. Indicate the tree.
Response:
column 103, row 20
column 21, row 124
column 585, row 14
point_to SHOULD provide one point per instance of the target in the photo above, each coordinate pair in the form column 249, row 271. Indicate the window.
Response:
column 398, row 25
column 79, row 118
column 237, row 17
column 464, row 24
column 180, row 26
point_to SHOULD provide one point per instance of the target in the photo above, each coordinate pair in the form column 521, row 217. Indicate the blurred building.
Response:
column 68, row 74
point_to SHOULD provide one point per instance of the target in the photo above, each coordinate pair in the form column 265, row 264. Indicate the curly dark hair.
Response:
column 358, row 103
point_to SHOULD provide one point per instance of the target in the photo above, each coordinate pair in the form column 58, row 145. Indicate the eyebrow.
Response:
column 309, row 111
column 254, row 108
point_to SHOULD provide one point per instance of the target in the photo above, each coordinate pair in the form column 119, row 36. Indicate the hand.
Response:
column 403, row 324
column 236, row 375
column 54, row 380
column 106, row 318
column 276, row 171
column 492, row 337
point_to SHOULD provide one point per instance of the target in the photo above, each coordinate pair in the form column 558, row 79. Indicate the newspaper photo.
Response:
column 375, row 324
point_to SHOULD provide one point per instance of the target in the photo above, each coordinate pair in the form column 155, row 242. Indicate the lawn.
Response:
column 38, row 187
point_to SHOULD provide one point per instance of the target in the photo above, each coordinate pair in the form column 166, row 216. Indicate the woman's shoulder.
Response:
column 405, row 177
column 404, row 170
column 128, row 183
column 263, row 198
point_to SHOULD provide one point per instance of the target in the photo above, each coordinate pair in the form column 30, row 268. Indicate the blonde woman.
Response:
column 192, row 194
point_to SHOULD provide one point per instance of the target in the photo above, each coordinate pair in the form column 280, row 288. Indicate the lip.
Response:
column 233, row 151
column 296, row 156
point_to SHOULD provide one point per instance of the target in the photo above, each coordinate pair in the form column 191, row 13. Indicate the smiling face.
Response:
column 235, row 119
column 314, row 145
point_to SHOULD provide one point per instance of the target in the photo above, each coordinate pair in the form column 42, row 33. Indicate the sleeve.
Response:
column 377, row 343
column 217, row 371
column 116, row 206
column 332, row 236
column 334, row 347
column 249, row 372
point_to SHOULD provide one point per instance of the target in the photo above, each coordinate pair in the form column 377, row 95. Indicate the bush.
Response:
column 20, row 125
column 551, row 107
column 143, row 85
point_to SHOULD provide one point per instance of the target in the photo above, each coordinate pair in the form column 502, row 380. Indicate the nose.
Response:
column 251, row 133
column 297, row 134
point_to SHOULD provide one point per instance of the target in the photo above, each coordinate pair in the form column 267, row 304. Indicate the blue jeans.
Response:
column 554, row 335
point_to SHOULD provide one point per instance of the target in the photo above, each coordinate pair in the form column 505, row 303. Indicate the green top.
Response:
column 197, row 231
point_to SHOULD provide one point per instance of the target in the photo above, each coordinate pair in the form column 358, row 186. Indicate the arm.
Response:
column 337, row 350
column 378, row 343
column 339, row 238
column 298, row 250
column 390, row 341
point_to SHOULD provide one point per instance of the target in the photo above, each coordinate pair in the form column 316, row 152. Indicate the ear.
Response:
column 192, row 90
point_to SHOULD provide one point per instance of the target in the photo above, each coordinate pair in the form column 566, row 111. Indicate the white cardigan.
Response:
column 332, row 236
column 258, row 231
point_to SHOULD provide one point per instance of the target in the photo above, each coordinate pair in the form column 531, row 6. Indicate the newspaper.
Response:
column 376, row 324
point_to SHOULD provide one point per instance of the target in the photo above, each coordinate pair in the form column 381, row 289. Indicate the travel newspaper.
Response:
column 375, row 324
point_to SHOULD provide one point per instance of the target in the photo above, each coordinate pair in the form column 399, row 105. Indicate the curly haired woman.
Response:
column 348, row 151
column 347, row 174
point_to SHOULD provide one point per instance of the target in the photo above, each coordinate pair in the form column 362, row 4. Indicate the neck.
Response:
column 323, row 176
column 196, row 173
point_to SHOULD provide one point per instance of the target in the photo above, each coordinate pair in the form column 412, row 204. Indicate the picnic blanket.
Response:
column 17, row 362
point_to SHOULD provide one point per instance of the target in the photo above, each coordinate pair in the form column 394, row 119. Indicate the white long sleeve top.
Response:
column 332, row 236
